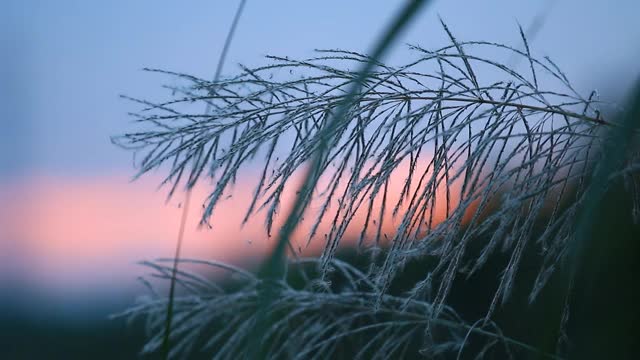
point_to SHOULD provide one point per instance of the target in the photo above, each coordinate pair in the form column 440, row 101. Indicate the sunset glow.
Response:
column 77, row 232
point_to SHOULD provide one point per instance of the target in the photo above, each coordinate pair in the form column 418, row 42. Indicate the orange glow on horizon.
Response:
column 74, row 230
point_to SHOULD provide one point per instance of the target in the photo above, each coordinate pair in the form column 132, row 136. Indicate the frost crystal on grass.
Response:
column 502, row 153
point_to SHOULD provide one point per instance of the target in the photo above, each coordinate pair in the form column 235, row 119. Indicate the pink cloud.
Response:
column 79, row 232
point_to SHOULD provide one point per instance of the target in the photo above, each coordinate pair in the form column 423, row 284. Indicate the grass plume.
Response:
column 503, row 152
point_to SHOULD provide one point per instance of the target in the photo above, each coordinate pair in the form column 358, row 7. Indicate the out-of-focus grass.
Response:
column 24, row 335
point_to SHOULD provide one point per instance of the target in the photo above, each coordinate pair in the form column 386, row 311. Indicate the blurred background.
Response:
column 73, row 225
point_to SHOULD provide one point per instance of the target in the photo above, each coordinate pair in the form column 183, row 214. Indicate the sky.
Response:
column 71, row 219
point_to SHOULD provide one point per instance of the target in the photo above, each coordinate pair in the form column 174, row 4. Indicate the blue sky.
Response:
column 64, row 62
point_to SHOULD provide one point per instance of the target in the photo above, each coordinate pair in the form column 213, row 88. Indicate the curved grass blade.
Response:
column 166, row 341
column 275, row 266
